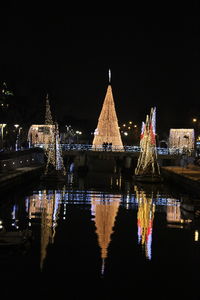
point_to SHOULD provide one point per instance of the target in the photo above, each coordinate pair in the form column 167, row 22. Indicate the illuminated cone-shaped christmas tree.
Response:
column 55, row 158
column 49, row 122
column 107, row 130
column 147, row 162
column 105, row 215
column 48, row 116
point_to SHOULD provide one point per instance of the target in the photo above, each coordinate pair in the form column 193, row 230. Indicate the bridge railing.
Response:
column 88, row 147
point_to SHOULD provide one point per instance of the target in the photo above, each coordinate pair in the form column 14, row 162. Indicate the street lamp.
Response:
column 195, row 121
column 2, row 127
column 77, row 134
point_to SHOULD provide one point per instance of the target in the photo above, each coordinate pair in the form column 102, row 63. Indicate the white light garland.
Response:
column 147, row 162
column 107, row 130
column 182, row 138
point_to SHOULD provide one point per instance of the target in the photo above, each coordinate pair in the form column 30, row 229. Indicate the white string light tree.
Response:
column 48, row 116
column 55, row 162
column 55, row 159
column 50, row 125
column 107, row 130
column 147, row 165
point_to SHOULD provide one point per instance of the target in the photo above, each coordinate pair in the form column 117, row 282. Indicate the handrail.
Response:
column 89, row 147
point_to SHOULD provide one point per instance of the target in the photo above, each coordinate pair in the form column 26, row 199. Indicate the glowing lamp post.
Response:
column 77, row 134
column 2, row 127
column 195, row 122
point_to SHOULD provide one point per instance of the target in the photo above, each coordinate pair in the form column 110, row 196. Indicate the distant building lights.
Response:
column 124, row 125
column 196, row 236
column 135, row 126
column 130, row 122
column 194, row 120
column 125, row 133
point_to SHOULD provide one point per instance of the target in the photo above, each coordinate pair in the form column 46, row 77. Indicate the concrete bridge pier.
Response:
column 80, row 162
column 101, row 162
column 128, row 168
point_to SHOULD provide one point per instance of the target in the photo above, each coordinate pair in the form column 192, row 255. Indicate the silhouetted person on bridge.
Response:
column 105, row 146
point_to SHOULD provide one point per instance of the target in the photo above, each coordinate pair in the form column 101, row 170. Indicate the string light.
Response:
column 105, row 213
column 147, row 162
column 48, row 116
column 107, row 130
column 54, row 154
column 145, row 216
column 181, row 138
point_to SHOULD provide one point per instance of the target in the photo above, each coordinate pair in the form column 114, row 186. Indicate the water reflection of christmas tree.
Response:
column 50, row 211
column 47, row 205
column 105, row 214
column 145, row 216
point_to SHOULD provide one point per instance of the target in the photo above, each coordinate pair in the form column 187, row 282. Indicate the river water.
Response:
column 100, row 237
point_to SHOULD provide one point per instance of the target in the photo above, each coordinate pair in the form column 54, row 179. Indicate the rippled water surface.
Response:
column 100, row 237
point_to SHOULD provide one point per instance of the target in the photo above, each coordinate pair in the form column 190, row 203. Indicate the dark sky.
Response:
column 154, row 62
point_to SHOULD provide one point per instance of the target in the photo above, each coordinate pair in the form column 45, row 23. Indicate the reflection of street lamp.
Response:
column 18, row 134
column 2, row 127
column 188, row 141
column 16, row 142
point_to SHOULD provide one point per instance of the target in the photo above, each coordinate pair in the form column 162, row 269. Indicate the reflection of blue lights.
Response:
column 139, row 234
column 27, row 204
column 14, row 212
column 149, row 242
column 167, row 201
column 86, row 197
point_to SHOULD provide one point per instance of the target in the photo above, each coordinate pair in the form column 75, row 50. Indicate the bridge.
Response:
column 134, row 150
column 83, row 156
column 109, row 159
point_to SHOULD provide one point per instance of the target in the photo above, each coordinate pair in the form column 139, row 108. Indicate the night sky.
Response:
column 154, row 62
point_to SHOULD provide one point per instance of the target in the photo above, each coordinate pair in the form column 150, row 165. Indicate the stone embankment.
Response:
column 186, row 177
column 20, row 167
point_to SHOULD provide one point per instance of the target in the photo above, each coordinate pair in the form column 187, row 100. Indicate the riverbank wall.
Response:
column 20, row 167
column 186, row 177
